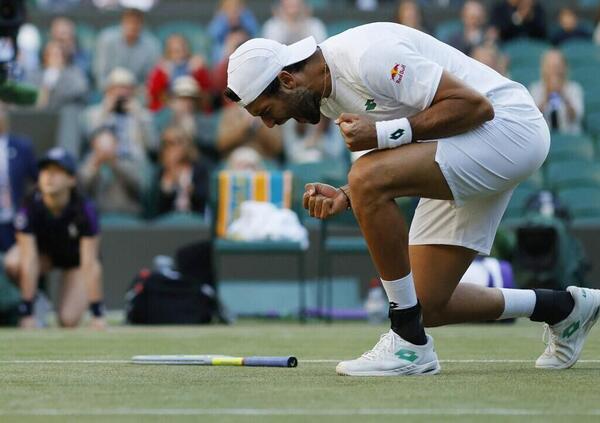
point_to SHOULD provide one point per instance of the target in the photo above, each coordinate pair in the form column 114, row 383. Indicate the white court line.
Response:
column 300, row 361
column 298, row 412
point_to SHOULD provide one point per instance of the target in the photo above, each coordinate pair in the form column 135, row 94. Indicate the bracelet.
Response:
column 349, row 207
column 25, row 308
column 97, row 309
column 393, row 133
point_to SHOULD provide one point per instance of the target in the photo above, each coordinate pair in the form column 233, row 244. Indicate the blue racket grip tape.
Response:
column 271, row 361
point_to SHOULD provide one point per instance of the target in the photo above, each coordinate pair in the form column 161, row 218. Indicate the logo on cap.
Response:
column 397, row 72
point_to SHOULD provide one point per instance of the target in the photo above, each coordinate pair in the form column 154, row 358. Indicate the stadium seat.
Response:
column 572, row 174
column 580, row 52
column 86, row 36
column 585, row 74
column 335, row 27
column 525, row 52
column 228, row 191
column 592, row 123
column 534, row 182
column 518, row 202
column 563, row 149
column 180, row 220
column 581, row 202
column 120, row 221
column 525, row 74
column 446, row 30
column 192, row 31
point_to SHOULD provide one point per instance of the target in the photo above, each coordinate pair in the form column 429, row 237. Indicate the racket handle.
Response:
column 271, row 361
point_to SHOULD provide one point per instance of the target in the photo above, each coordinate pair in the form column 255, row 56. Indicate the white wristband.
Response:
column 393, row 133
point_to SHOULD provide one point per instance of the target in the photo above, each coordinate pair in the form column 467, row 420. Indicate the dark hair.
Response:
column 273, row 88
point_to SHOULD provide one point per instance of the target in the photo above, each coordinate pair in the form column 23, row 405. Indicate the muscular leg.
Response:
column 443, row 299
column 73, row 298
column 379, row 177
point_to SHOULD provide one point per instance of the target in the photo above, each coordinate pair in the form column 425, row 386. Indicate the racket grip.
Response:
column 271, row 361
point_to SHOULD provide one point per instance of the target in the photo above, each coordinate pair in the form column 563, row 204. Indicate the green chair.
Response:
column 228, row 191
column 525, row 74
column 525, row 51
column 534, row 182
column 446, row 30
column 336, row 27
column 592, row 123
column 573, row 174
column 585, row 74
column 120, row 221
column 200, row 42
column 578, row 149
column 581, row 202
column 180, row 220
column 580, row 52
column 518, row 203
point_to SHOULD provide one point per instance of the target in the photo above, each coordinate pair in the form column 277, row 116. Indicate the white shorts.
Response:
column 482, row 168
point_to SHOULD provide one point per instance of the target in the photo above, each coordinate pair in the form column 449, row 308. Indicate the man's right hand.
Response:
column 323, row 201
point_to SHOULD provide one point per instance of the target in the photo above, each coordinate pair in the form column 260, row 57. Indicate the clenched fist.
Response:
column 323, row 201
column 359, row 132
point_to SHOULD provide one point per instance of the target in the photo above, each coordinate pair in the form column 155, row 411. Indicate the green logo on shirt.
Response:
column 370, row 104
column 397, row 134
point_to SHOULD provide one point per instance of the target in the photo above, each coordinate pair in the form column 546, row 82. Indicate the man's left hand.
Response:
column 359, row 132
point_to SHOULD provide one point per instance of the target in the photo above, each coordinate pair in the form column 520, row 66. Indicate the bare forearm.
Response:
column 92, row 274
column 30, row 272
column 450, row 117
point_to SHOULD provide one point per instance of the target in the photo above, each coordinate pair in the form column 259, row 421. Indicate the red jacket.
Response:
column 158, row 85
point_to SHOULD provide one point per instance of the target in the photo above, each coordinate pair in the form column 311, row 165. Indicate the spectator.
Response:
column 519, row 18
column 234, row 39
column 17, row 169
column 490, row 55
column 112, row 179
column 183, row 178
column 120, row 110
column 597, row 30
column 58, row 229
column 29, row 42
column 559, row 99
column 292, row 21
column 62, row 30
column 569, row 27
column 177, row 62
column 231, row 15
column 184, row 111
column 244, row 159
column 474, row 32
column 409, row 13
column 127, row 46
column 59, row 82
column 239, row 128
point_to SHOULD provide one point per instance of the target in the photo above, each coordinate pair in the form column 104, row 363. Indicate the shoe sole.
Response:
column 587, row 327
column 428, row 369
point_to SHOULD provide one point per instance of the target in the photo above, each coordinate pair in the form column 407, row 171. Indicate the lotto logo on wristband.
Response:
column 397, row 134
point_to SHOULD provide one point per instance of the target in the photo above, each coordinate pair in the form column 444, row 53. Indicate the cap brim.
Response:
column 301, row 50
column 45, row 162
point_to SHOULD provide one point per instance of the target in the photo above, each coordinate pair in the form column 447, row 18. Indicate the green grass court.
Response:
column 488, row 375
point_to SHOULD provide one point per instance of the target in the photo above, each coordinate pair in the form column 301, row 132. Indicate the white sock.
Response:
column 517, row 303
column 401, row 292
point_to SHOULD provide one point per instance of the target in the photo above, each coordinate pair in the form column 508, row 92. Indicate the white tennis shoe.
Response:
column 565, row 339
column 393, row 356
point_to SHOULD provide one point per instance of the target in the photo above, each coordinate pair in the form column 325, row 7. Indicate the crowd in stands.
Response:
column 150, row 122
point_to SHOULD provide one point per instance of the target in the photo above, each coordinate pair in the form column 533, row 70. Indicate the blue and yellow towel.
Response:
column 236, row 187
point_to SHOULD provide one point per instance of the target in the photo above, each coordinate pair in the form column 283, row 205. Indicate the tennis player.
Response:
column 441, row 126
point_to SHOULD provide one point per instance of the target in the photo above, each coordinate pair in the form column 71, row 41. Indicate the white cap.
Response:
column 257, row 62
column 186, row 86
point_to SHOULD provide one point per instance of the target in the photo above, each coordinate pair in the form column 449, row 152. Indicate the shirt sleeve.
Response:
column 90, row 225
column 398, row 73
column 23, row 221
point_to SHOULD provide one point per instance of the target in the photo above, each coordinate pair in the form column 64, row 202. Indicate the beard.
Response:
column 305, row 105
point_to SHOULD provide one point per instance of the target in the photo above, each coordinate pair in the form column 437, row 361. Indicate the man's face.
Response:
column 297, row 103
column 53, row 180
column 132, row 27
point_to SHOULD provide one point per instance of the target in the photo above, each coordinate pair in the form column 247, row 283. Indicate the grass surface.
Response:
column 42, row 378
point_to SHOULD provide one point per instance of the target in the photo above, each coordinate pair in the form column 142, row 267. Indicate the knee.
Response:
column 367, row 182
column 67, row 319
